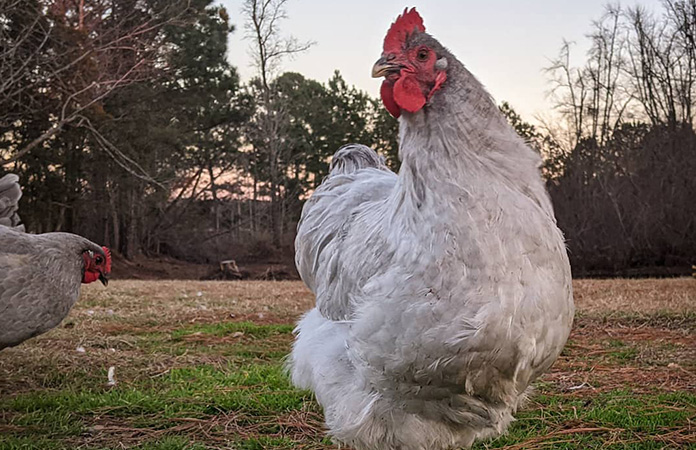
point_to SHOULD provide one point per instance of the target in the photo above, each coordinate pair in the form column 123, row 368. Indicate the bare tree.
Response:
column 268, row 49
column 592, row 98
column 569, row 94
column 663, row 61
column 623, row 196
column 607, row 58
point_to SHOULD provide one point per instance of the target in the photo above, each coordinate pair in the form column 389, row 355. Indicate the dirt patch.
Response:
column 164, row 268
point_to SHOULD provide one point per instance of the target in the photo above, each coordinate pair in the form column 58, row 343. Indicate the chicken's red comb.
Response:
column 401, row 28
column 107, row 252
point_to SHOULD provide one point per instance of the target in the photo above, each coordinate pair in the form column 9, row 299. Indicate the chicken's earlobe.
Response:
column 441, row 64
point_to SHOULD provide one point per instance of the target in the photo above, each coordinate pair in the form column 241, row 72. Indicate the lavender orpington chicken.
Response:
column 40, row 275
column 442, row 292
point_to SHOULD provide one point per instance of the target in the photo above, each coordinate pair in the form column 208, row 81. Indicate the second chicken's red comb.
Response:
column 107, row 252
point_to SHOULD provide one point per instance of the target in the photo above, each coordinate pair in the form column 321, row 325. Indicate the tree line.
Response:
column 127, row 124
column 622, row 159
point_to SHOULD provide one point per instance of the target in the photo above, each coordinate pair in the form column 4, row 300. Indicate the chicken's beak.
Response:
column 103, row 279
column 383, row 67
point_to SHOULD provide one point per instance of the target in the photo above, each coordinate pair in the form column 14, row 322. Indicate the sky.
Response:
column 505, row 43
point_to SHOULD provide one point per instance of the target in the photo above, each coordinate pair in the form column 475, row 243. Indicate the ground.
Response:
column 198, row 365
column 279, row 266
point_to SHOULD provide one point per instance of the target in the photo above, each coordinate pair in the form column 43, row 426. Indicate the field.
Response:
column 198, row 365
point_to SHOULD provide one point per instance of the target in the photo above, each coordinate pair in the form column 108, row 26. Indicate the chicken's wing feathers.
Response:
column 15, row 302
column 358, row 181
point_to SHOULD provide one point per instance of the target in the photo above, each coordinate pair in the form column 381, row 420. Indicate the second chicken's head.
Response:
column 413, row 64
column 97, row 265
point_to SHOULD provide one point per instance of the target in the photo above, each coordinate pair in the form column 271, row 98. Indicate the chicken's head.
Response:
column 97, row 265
column 412, row 64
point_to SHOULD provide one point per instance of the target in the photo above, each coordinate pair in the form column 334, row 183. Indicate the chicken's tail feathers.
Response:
column 320, row 362
column 10, row 193
column 353, row 157
column 319, row 343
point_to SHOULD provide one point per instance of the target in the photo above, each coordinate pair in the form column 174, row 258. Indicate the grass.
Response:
column 199, row 365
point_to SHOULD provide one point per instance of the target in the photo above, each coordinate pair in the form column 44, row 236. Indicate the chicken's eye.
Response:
column 99, row 260
column 422, row 54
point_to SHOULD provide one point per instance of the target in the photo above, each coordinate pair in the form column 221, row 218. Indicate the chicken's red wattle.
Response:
column 387, row 94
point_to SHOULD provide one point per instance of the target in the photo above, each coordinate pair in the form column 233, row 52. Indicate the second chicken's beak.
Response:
column 103, row 279
column 383, row 67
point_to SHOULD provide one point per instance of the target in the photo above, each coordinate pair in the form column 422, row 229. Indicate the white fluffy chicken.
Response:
column 442, row 292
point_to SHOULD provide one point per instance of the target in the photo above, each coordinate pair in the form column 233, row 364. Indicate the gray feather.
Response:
column 353, row 157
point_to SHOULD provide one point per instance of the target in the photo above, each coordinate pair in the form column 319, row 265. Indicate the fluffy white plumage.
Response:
column 441, row 293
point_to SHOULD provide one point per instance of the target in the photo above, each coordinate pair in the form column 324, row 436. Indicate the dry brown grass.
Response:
column 171, row 299
column 290, row 298
column 638, row 296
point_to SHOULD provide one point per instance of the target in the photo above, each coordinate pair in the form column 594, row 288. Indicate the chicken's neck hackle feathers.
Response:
column 467, row 139
column 404, row 25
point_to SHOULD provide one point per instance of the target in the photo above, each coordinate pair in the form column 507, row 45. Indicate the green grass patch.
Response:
column 263, row 443
column 10, row 442
column 621, row 351
column 630, row 419
column 243, row 342
column 170, row 443
column 189, row 392
column 164, row 443
column 230, row 328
